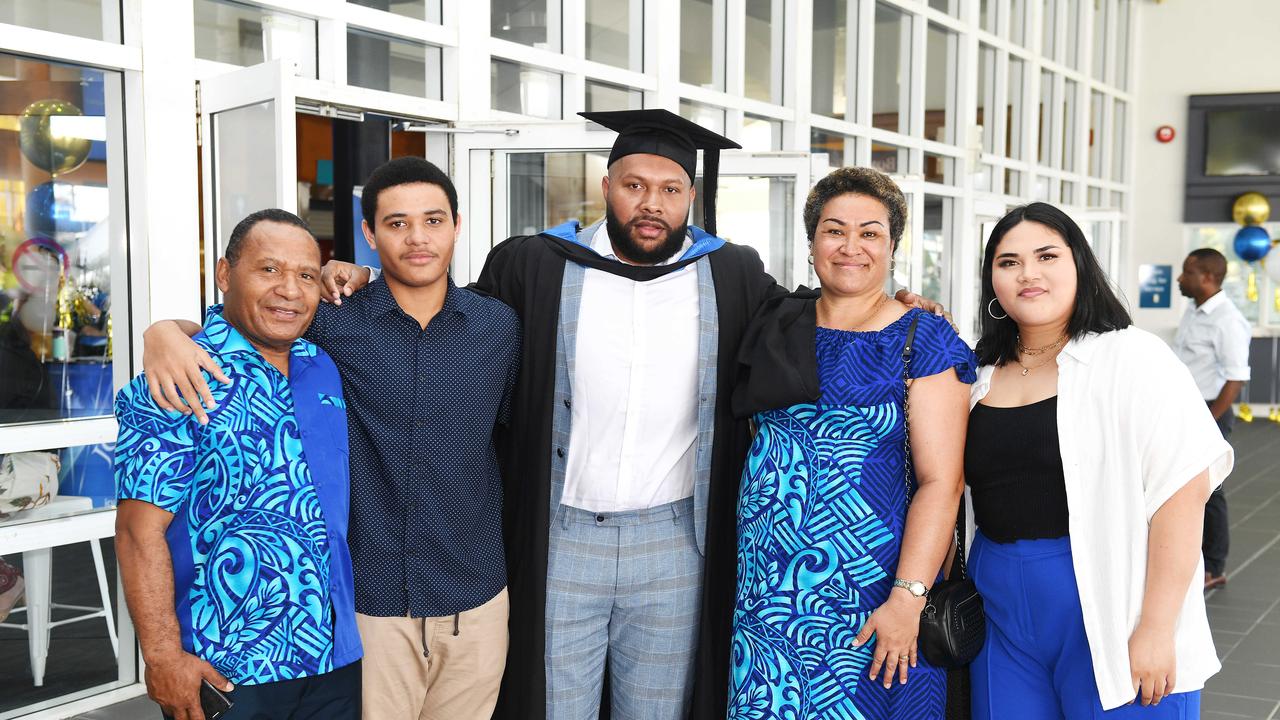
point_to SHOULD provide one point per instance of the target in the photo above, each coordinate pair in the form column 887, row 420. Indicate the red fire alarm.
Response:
column 1164, row 133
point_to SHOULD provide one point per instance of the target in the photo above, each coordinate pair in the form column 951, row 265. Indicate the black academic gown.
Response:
column 526, row 272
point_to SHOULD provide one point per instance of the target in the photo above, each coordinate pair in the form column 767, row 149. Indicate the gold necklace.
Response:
column 1026, row 369
column 1024, row 350
column 872, row 313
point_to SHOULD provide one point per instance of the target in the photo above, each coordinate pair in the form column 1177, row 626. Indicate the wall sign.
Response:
column 1155, row 286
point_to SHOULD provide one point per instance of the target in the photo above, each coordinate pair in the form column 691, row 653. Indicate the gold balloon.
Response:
column 1251, row 209
column 55, row 154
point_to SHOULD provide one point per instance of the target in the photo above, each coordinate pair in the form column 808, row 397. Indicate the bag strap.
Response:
column 907, row 466
column 906, row 404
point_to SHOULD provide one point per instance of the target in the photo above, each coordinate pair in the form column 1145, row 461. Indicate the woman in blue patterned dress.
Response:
column 832, row 567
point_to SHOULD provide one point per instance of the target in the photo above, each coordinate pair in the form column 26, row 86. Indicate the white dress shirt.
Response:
column 1213, row 340
column 1132, row 430
column 634, row 433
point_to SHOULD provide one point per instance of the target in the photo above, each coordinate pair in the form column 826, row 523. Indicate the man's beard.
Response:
column 626, row 246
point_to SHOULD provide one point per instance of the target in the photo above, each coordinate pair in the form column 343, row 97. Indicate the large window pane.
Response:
column 605, row 96
column 891, row 69
column 708, row 116
column 987, row 15
column 615, row 33
column 1018, row 21
column 935, row 231
column 702, row 43
column 763, row 61
column 987, row 96
column 239, row 34
column 939, row 84
column 546, row 189
column 1118, row 145
column 1014, row 146
column 939, row 168
column 56, row 226
column 1049, row 30
column 1071, row 49
column 1071, row 130
column 1044, row 141
column 1095, row 133
column 889, row 159
column 529, row 22
column 761, row 134
column 93, row 19
column 1098, row 62
column 521, row 89
column 380, row 62
column 428, row 10
column 839, row 148
column 831, row 58
column 1123, row 8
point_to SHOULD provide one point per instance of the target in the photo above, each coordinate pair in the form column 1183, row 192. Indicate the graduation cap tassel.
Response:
column 710, row 181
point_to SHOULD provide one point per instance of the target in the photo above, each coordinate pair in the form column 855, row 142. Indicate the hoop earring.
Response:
column 893, row 264
column 992, row 314
column 811, row 259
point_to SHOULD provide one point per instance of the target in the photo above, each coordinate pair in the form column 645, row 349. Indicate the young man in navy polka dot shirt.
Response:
column 428, row 370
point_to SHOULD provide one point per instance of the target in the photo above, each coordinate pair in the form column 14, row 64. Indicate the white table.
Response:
column 34, row 533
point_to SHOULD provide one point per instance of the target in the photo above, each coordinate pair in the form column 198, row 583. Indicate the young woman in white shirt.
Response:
column 1089, row 458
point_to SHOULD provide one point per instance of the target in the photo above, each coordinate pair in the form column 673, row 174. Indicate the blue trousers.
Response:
column 1035, row 664
column 626, row 589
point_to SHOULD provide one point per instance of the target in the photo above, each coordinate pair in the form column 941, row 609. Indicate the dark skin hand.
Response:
column 173, row 675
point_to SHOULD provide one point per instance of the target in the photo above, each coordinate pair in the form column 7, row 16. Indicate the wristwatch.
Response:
column 915, row 587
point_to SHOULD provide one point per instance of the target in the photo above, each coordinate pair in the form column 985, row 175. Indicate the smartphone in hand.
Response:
column 213, row 701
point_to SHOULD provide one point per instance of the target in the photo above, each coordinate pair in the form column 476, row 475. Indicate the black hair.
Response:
column 1096, row 307
column 404, row 171
column 1211, row 263
column 242, row 229
column 857, row 181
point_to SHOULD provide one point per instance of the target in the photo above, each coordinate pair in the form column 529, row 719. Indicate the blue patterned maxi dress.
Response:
column 820, row 521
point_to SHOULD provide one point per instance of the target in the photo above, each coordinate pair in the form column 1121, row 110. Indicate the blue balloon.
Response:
column 51, row 215
column 1252, row 243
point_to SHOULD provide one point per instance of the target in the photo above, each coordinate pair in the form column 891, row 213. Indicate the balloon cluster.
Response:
column 1252, row 242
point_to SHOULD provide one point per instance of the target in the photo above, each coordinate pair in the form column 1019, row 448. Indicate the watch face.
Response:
column 918, row 589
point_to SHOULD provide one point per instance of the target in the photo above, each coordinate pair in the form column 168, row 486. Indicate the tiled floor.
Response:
column 1245, row 614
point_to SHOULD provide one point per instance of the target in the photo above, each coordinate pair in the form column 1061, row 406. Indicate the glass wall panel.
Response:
column 1012, row 182
column 708, row 116
column 940, row 84
column 1018, row 21
column 935, row 235
column 1096, row 100
column 56, row 225
column 701, row 30
column 939, row 168
column 428, row 10
column 93, row 19
column 831, row 60
column 1049, row 30
column 987, row 15
column 889, row 159
column 1097, row 65
column 243, row 183
column 522, row 89
column 1071, row 49
column 1118, row 136
column 381, row 62
column 763, row 61
column 606, row 96
column 900, row 276
column 891, row 69
column 545, row 189
column 245, row 35
column 529, row 22
column 987, row 96
column 1071, row 130
column 1124, row 8
column 1014, row 146
column 760, row 134
column 1044, row 136
column 951, row 7
column 615, row 33
column 839, row 148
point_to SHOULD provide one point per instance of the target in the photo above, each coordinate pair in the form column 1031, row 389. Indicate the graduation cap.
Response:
column 662, row 132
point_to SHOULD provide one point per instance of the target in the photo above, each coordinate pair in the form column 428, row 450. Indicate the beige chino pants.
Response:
column 436, row 668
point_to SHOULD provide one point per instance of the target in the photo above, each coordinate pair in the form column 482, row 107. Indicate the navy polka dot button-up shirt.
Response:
column 426, row 495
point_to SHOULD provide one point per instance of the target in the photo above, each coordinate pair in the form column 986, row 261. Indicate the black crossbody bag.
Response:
column 952, row 625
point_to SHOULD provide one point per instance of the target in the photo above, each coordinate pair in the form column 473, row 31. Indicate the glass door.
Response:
column 760, row 203
column 248, row 151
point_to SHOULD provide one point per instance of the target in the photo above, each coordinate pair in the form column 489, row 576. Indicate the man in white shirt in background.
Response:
column 1213, row 341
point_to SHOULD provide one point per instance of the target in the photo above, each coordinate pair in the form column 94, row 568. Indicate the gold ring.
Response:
column 904, row 657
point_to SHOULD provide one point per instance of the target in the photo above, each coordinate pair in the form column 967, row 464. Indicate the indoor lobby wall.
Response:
column 1186, row 47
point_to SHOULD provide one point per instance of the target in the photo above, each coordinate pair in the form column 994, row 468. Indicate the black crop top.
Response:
column 1013, row 466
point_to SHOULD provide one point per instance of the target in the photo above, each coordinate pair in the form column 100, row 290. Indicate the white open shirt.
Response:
column 1133, row 430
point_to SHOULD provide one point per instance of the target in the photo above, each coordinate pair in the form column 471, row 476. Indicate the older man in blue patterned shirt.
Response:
column 231, row 535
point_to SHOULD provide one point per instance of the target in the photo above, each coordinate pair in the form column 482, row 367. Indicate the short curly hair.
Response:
column 857, row 181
